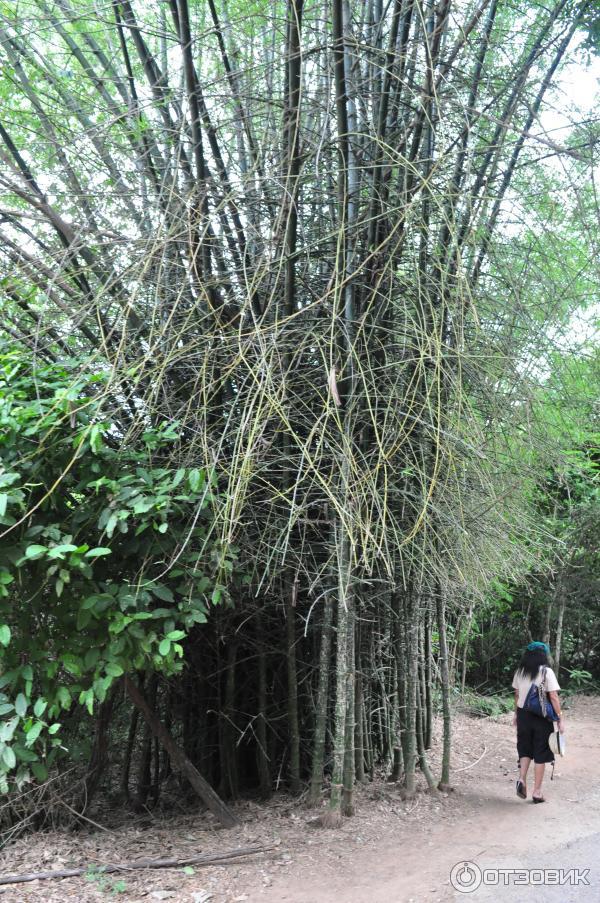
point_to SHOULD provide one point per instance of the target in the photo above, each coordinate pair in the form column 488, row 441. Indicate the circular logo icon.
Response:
column 465, row 877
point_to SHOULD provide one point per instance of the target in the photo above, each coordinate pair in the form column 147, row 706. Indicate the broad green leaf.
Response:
column 113, row 669
column 64, row 697
column 71, row 664
column 33, row 733
column 61, row 551
column 21, row 704
column 195, row 479
column 162, row 592
column 8, row 757
column 164, row 647
column 24, row 754
column 98, row 552
column 89, row 603
column 84, row 616
column 40, row 771
column 7, row 729
column 175, row 635
column 35, row 551
column 5, row 634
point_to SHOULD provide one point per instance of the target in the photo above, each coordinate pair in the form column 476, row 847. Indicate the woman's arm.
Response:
column 553, row 696
column 514, row 721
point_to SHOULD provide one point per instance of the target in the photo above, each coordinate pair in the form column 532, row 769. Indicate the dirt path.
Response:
column 490, row 826
column 392, row 851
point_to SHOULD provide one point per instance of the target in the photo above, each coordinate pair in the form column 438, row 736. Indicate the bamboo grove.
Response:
column 272, row 235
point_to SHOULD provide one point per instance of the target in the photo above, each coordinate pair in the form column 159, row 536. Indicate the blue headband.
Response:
column 544, row 646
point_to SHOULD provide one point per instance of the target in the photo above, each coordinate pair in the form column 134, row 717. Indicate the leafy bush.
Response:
column 107, row 556
column 486, row 706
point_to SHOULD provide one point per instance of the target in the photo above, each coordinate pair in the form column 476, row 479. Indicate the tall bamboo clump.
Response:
column 274, row 229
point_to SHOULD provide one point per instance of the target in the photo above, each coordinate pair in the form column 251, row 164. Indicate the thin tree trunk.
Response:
column 99, row 757
column 342, row 668
column 349, row 754
column 562, row 601
column 359, row 742
column 292, row 679
column 229, row 776
column 412, row 674
column 465, row 653
column 422, row 755
column 128, row 754
column 316, row 779
column 547, row 621
column 179, row 760
column 264, row 769
column 428, row 681
column 445, row 686
column 144, row 773
column 397, row 758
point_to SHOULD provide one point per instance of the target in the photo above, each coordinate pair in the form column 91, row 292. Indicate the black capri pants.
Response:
column 533, row 733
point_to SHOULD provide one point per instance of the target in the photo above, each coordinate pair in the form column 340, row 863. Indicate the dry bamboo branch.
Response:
column 203, row 860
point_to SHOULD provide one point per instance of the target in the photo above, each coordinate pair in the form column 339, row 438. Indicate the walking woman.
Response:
column 534, row 731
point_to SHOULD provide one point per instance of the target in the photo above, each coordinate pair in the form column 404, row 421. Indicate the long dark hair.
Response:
column 531, row 662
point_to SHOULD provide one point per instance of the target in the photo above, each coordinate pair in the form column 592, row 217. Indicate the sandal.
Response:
column 521, row 790
column 538, row 799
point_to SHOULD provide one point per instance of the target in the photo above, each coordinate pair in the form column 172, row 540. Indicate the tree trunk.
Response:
column 359, row 743
column 179, row 760
column 428, row 681
column 562, row 601
column 316, row 779
column 144, row 773
column 292, row 678
column 229, row 758
column 423, row 764
column 128, row 754
column 264, row 769
column 445, row 686
column 99, row 757
column 412, row 674
column 465, row 652
column 349, row 754
column 342, row 668
column 547, row 622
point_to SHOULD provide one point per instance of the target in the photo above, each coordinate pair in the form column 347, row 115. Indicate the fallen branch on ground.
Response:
column 472, row 765
column 205, row 859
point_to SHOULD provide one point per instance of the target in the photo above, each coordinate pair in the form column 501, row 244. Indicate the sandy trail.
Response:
column 490, row 826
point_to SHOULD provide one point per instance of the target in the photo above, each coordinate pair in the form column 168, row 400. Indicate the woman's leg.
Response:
column 524, row 746
column 539, row 777
column 524, row 763
column 542, row 755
